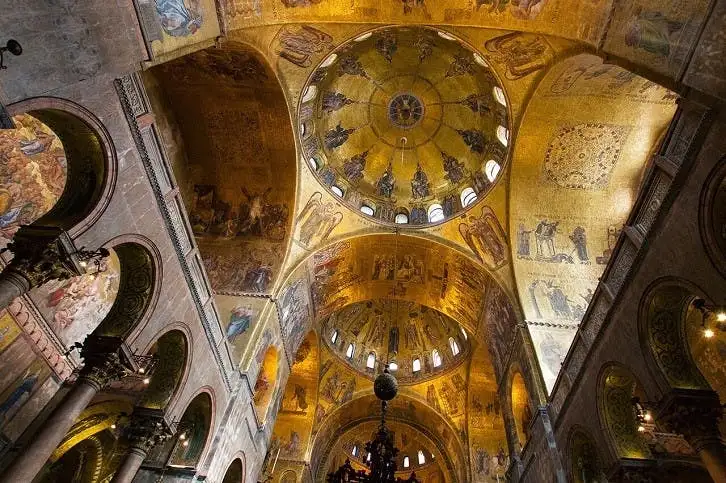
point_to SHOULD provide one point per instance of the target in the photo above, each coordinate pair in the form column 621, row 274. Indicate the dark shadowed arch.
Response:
column 171, row 350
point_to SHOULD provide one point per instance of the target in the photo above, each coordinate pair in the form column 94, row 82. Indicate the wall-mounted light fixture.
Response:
column 12, row 46
column 712, row 317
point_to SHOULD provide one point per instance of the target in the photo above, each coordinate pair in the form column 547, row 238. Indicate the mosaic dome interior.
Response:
column 407, row 331
column 406, row 125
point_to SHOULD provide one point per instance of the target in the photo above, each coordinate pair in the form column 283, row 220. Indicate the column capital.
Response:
column 42, row 254
column 694, row 413
column 147, row 428
column 105, row 359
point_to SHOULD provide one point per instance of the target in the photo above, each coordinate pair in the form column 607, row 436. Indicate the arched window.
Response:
column 329, row 61
column 480, row 60
column 334, row 336
column 401, row 218
column 368, row 458
column 371, row 361
column 314, row 164
column 445, row 35
column 416, row 364
column 503, row 135
column 406, row 462
column 468, row 196
column 454, row 346
column 354, row 451
column 337, row 190
column 463, row 333
column 436, row 357
column 362, row 37
column 491, row 169
column 436, row 213
column 421, row 457
column 349, row 351
column 393, row 365
column 310, row 93
column 303, row 129
column 367, row 210
column 499, row 95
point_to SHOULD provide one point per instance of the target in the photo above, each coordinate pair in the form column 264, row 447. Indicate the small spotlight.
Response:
column 647, row 416
column 183, row 436
column 641, row 428
column 721, row 316
column 113, row 426
column 708, row 333
column 93, row 276
column 393, row 366
column 84, row 264
column 141, row 370
column 186, row 443
column 147, row 380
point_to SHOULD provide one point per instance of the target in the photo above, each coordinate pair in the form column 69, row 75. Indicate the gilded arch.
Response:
column 585, row 463
column 616, row 388
column 170, row 371
column 663, row 313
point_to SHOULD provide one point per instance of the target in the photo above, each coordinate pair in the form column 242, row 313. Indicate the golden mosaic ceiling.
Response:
column 396, row 331
column 405, row 121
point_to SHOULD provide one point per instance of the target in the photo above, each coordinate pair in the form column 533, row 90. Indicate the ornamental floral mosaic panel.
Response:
column 583, row 155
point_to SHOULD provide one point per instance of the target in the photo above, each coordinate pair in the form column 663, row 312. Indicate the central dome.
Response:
column 407, row 125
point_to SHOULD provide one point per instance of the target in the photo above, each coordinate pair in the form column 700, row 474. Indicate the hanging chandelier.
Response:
column 382, row 452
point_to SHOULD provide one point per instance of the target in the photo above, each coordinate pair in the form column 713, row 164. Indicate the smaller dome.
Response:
column 417, row 343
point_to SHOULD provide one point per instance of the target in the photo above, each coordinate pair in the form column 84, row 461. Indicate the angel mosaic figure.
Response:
column 317, row 220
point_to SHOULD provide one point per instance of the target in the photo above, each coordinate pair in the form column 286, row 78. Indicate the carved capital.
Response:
column 100, row 369
column 42, row 254
column 105, row 359
column 693, row 413
column 146, row 429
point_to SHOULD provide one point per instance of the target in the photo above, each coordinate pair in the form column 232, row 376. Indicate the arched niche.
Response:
column 170, row 352
column 266, row 383
column 137, row 290
column 294, row 422
column 223, row 119
column 585, row 464
column 235, row 472
column 666, row 308
column 585, row 138
column 673, row 322
column 616, row 388
column 187, row 447
column 712, row 216
column 521, row 408
column 76, row 163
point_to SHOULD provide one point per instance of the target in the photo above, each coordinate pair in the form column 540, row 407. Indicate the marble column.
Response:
column 40, row 254
column 696, row 415
column 146, row 429
column 99, row 370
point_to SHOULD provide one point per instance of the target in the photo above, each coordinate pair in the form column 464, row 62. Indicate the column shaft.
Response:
column 713, row 456
column 12, row 286
column 130, row 466
column 34, row 456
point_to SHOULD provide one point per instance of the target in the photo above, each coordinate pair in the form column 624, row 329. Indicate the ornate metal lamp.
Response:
column 382, row 464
